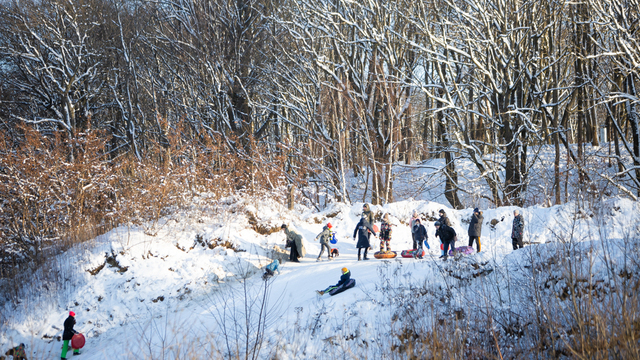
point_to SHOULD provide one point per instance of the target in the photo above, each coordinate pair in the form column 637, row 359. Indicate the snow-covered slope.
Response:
column 190, row 285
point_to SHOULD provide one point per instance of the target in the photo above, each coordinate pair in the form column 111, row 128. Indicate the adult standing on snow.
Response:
column 294, row 241
column 362, row 230
column 517, row 230
column 475, row 227
column 385, row 233
column 445, row 221
column 448, row 237
column 67, row 334
column 325, row 236
column 419, row 234
column 366, row 212
column 443, row 218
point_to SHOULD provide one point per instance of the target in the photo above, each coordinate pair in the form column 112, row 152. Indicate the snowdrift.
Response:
column 190, row 285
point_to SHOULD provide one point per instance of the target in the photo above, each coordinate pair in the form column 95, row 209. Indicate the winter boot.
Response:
column 318, row 259
column 320, row 292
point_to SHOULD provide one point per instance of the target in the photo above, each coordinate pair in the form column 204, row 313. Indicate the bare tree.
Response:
column 47, row 44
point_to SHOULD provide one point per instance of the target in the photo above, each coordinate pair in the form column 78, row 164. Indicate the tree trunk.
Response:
column 290, row 196
column 632, row 112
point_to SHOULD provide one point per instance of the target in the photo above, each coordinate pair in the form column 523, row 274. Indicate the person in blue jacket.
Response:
column 344, row 279
column 270, row 269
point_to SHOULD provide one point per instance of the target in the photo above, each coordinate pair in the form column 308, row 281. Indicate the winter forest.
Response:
column 126, row 113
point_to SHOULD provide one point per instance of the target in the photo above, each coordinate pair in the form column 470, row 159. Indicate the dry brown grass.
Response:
column 56, row 191
column 567, row 309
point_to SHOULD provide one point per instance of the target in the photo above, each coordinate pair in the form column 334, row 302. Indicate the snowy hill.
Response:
column 190, row 285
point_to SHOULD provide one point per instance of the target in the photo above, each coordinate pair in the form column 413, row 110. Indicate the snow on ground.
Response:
column 162, row 292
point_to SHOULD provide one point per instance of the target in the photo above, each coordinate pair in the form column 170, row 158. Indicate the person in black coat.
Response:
column 362, row 230
column 67, row 334
column 443, row 218
column 475, row 227
column 517, row 230
column 419, row 234
column 448, row 237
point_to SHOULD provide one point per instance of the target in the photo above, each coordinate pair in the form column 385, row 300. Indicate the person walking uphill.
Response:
column 325, row 236
column 67, row 334
column 475, row 227
column 517, row 230
column 385, row 233
column 294, row 241
column 448, row 237
column 362, row 230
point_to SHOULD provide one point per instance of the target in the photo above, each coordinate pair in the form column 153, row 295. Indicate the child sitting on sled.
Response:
column 345, row 283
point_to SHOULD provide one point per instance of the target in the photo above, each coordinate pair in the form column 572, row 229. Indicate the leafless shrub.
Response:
column 51, row 200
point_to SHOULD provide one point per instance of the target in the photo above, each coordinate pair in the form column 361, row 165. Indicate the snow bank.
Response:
column 189, row 283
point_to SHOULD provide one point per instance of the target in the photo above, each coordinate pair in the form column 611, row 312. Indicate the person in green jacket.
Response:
column 294, row 241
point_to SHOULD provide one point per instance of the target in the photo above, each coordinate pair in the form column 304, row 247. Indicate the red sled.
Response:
column 410, row 253
column 77, row 341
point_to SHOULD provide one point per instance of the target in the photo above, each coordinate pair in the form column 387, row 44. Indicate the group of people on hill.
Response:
column 364, row 229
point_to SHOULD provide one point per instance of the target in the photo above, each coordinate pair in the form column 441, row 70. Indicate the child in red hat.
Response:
column 68, row 334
